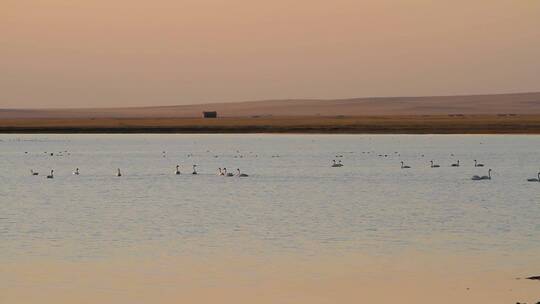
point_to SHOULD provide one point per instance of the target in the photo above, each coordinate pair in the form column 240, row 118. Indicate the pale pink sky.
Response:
column 80, row 53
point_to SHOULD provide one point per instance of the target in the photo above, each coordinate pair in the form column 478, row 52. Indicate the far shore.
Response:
column 388, row 124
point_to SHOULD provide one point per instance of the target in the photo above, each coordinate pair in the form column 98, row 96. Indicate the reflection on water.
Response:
column 293, row 200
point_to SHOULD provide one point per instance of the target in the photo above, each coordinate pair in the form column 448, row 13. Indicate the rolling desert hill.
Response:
column 519, row 103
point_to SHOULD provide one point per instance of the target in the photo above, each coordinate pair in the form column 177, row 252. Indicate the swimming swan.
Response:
column 336, row 164
column 33, row 173
column 227, row 174
column 194, row 170
column 476, row 177
column 404, row 167
column 456, row 164
column 118, row 173
column 177, row 171
column 433, row 165
column 241, row 174
column 51, row 175
column 476, row 164
column 76, row 172
column 534, row 179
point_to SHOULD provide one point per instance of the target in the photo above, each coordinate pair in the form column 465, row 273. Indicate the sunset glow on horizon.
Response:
column 139, row 53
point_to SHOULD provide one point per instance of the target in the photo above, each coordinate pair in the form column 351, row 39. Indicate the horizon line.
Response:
column 268, row 100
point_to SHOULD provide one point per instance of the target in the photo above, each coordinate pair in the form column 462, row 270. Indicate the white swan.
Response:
column 476, row 164
column 433, row 165
column 177, row 171
column 118, row 173
column 194, row 170
column 220, row 173
column 33, row 172
column 51, row 175
column 456, row 164
column 76, row 172
column 336, row 164
column 534, row 179
column 488, row 176
column 241, row 174
column 404, row 167
column 227, row 174
column 476, row 177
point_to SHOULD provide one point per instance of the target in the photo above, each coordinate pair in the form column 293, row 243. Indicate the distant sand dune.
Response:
column 521, row 103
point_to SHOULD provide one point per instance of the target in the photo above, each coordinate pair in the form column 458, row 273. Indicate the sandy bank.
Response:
column 433, row 124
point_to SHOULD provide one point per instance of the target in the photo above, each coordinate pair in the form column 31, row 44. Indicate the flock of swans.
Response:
column 335, row 164
column 454, row 165
column 221, row 172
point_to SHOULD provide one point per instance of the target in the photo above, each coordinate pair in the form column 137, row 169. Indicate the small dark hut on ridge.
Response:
column 210, row 114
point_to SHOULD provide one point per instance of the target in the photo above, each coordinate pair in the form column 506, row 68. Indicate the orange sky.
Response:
column 75, row 53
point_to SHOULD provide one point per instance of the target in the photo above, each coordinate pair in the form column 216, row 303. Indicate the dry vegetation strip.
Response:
column 470, row 124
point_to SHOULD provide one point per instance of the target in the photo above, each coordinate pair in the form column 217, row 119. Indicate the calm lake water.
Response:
column 292, row 201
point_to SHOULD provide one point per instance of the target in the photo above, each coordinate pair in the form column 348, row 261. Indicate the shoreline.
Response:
column 420, row 124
